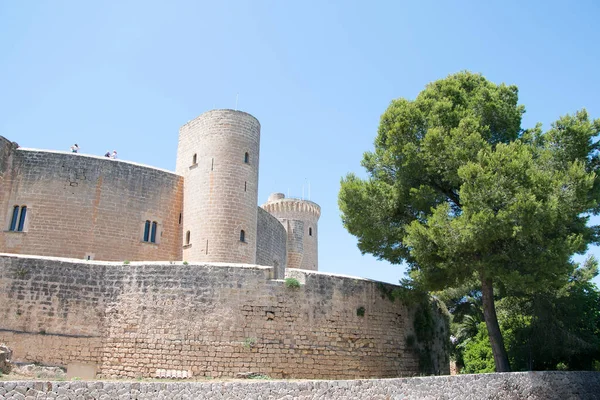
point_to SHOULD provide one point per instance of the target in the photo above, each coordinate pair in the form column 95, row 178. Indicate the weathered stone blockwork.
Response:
column 505, row 386
column 221, row 186
column 210, row 320
column 79, row 206
column 271, row 244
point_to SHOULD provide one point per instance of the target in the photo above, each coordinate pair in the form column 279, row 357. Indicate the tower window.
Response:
column 17, row 222
column 195, row 159
column 309, row 231
column 187, row 237
column 153, row 232
column 246, row 158
column 146, row 231
column 242, row 236
column 150, row 229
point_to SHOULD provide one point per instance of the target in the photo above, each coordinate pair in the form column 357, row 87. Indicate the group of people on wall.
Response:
column 113, row 155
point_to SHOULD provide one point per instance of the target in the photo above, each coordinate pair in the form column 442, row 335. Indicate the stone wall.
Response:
column 506, row 386
column 271, row 243
column 221, row 188
column 85, row 206
column 204, row 320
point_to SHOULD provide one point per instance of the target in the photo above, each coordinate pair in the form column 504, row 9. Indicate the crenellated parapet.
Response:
column 277, row 205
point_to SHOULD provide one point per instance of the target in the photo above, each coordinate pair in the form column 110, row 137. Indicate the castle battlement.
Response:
column 291, row 204
column 64, row 204
column 184, row 271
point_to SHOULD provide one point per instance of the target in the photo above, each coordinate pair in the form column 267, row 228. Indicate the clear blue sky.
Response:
column 126, row 75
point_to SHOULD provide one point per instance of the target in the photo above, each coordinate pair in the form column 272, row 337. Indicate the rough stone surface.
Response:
column 505, row 386
column 5, row 359
column 221, row 188
column 205, row 320
column 271, row 244
column 80, row 205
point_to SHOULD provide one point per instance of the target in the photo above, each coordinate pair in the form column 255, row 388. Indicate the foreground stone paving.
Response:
column 518, row 385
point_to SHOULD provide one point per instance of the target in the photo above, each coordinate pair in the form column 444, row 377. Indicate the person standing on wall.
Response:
column 75, row 148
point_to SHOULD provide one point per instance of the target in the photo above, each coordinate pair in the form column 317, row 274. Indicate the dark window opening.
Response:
column 150, row 229
column 242, row 236
column 146, row 231
column 180, row 218
column 309, row 231
column 153, row 233
column 246, row 158
column 17, row 222
column 22, row 219
column 245, row 186
column 194, row 159
column 187, row 237
column 212, row 164
column 15, row 217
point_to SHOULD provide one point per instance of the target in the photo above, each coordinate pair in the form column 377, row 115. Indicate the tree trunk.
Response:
column 491, row 321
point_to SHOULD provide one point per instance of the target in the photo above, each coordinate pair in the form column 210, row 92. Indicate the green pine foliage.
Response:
column 461, row 193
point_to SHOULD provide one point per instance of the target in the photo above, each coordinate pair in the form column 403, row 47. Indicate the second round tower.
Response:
column 218, row 156
column 300, row 219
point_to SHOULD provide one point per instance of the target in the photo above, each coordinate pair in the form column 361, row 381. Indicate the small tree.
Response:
column 458, row 191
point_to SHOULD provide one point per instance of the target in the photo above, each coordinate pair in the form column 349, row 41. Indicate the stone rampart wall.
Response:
column 506, row 386
column 205, row 320
column 80, row 206
column 271, row 243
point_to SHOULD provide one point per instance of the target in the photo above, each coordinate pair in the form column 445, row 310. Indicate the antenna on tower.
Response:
column 236, row 100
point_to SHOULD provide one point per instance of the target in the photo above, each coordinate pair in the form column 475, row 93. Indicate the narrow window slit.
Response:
column 146, row 230
column 22, row 219
column 15, row 216
column 153, row 234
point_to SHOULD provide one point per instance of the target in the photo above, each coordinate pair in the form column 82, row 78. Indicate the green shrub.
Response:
column 360, row 311
column 260, row 377
column 292, row 283
column 249, row 342
column 478, row 355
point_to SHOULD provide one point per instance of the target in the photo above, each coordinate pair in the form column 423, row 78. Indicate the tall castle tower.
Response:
column 300, row 218
column 218, row 155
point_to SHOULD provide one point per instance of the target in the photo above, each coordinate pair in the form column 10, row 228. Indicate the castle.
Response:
column 79, row 206
column 131, row 271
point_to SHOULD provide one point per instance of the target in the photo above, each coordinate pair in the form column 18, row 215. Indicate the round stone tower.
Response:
column 218, row 156
column 300, row 218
